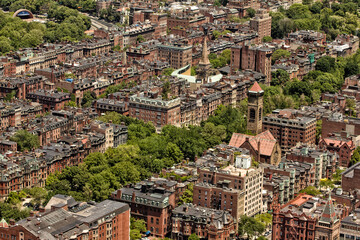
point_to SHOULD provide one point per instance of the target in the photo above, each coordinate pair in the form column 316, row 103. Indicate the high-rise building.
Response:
column 255, row 109
column 289, row 130
column 248, row 180
column 261, row 23
column 256, row 58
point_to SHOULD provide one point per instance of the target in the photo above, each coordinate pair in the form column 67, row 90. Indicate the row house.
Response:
column 50, row 100
column 18, row 112
column 104, row 220
column 324, row 161
column 28, row 170
column 307, row 217
column 151, row 203
column 21, row 86
column 159, row 111
column 206, row 223
column 185, row 20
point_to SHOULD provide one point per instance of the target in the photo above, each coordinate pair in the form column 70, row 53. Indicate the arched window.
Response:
column 252, row 115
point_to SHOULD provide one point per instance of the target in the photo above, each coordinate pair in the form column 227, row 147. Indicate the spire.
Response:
column 205, row 54
column 329, row 214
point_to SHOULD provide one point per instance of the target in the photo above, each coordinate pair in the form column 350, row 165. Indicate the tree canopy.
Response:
column 337, row 19
column 66, row 24
column 25, row 140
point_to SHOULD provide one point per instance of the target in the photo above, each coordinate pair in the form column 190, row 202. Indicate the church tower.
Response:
column 204, row 65
column 255, row 109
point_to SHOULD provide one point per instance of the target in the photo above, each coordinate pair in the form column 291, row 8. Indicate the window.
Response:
column 252, row 115
column 260, row 113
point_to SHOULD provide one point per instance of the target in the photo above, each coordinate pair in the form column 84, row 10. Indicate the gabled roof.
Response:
column 337, row 142
column 256, row 88
column 265, row 139
column 3, row 223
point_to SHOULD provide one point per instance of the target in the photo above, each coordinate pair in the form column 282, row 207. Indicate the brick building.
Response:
column 255, row 109
column 50, row 100
column 219, row 197
column 185, row 20
column 289, row 130
column 280, row 181
column 261, row 23
column 151, row 108
column 306, row 217
column 336, row 124
column 206, row 223
column 177, row 55
column 256, row 58
column 250, row 180
column 22, row 85
column 350, row 226
column 151, row 203
column 68, row 219
column 324, row 161
column 343, row 147
column 350, row 178
column 263, row 147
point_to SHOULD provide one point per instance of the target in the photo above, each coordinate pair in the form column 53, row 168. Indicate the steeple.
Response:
column 329, row 214
column 205, row 54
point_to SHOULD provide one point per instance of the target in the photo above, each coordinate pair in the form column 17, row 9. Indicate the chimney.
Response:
column 32, row 213
column 42, row 209
column 133, row 196
column 12, row 222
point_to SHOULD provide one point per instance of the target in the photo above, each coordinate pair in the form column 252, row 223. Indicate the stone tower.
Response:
column 255, row 109
column 328, row 226
column 204, row 65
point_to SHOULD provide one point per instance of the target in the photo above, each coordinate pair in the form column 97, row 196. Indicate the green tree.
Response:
column 279, row 77
column 250, row 227
column 351, row 68
column 137, row 226
column 168, row 71
column 231, row 118
column 187, row 196
column 166, row 90
column 250, row 12
column 193, row 237
column 212, row 134
column 311, row 190
column 325, row 64
column 264, row 218
column 298, row 11
column 278, row 54
column 10, row 95
column 307, row 2
column 88, row 98
column 193, row 70
column 355, row 158
column 25, row 140
column 267, row 39
column 140, row 39
column 318, row 130
column 326, row 183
